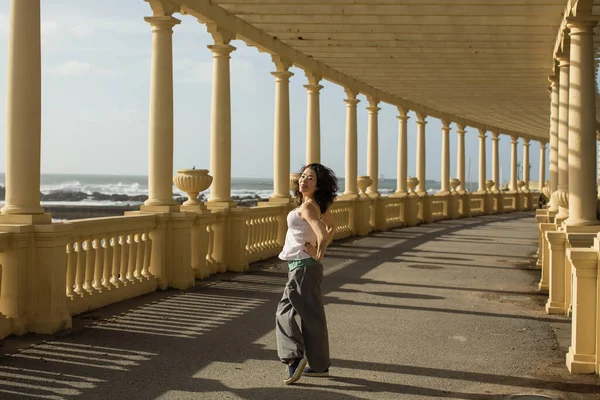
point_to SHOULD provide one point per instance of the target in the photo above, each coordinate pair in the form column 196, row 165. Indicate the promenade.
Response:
column 444, row 310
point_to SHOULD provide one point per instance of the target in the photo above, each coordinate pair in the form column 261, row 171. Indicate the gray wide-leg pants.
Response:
column 302, row 295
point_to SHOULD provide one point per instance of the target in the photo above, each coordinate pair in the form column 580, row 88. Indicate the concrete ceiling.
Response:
column 480, row 63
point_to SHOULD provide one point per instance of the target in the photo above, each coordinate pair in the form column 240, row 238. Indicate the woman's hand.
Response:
column 311, row 250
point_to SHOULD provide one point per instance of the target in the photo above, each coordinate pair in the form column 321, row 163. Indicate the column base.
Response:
column 280, row 200
column 580, row 222
column 349, row 196
column 217, row 204
column 580, row 363
column 373, row 195
column 26, row 219
column 554, row 308
column 160, row 208
column 443, row 193
column 51, row 324
column 543, row 287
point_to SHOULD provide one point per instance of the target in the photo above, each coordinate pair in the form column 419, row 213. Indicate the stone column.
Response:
column 553, row 167
column 160, row 141
column 526, row 164
column 351, row 144
column 495, row 168
column 598, row 173
column 513, row 163
column 373, row 148
column 582, row 125
column 24, row 116
column 401, row 188
column 542, row 166
column 313, row 119
column 421, row 173
column 220, row 126
column 482, row 136
column 281, row 148
column 445, row 158
column 460, row 158
column 562, row 187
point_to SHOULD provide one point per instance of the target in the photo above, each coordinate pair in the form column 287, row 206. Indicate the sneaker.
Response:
column 295, row 370
column 311, row 372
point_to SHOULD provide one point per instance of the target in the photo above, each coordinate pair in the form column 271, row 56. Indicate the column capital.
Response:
column 514, row 139
column 313, row 88
column 543, row 144
column 221, row 50
column 421, row 118
column 495, row 136
column 281, row 64
column 563, row 59
column 580, row 27
column 482, row 133
column 220, row 35
column 352, row 102
column 161, row 23
column 460, row 129
column 526, row 142
column 351, row 92
column 373, row 109
column 403, row 111
column 446, row 124
column 553, row 79
column 282, row 75
column 313, row 79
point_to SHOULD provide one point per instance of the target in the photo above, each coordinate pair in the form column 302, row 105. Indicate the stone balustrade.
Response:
column 4, row 321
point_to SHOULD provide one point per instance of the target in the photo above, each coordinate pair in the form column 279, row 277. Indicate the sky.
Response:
column 95, row 101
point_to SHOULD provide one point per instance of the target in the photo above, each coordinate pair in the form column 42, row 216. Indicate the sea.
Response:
column 135, row 185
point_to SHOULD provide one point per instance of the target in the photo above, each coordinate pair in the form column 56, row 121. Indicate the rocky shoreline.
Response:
column 129, row 203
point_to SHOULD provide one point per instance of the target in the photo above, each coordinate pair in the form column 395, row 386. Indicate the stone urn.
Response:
column 520, row 185
column 454, row 184
column 546, row 192
column 192, row 181
column 561, row 198
column 412, row 183
column 489, row 184
column 363, row 182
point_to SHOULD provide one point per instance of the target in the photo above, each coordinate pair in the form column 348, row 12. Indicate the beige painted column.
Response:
column 401, row 187
column 526, row 165
column 513, row 163
column 351, row 144
column 373, row 148
column 542, row 166
column 553, row 167
column 160, row 140
column 421, row 173
column 482, row 136
column 445, row 158
column 24, row 115
column 562, row 187
column 495, row 162
column 598, row 173
column 281, row 148
column 220, row 124
column 460, row 158
column 582, row 125
column 313, row 119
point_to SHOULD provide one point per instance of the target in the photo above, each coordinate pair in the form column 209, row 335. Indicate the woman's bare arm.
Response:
column 311, row 215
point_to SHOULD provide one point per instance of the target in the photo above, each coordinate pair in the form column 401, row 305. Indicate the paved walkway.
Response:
column 447, row 310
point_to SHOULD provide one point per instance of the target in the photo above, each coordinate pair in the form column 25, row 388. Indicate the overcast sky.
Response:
column 96, row 78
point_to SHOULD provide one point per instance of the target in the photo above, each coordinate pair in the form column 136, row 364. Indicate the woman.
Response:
column 310, row 229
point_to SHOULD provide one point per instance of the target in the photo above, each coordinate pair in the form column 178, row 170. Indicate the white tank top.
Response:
column 299, row 232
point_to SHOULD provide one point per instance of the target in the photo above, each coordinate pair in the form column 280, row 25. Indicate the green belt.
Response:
column 306, row 262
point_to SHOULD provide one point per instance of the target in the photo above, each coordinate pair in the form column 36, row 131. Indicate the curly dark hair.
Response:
column 327, row 186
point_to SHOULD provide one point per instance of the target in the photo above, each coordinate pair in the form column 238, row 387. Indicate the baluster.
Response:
column 249, row 236
column 124, row 259
column 116, row 265
column 71, row 267
column 147, row 254
column 79, row 268
column 209, row 255
column 251, row 228
column 89, row 265
column 261, row 234
column 108, row 258
column 139, row 257
column 131, row 260
column 274, row 230
column 98, row 264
